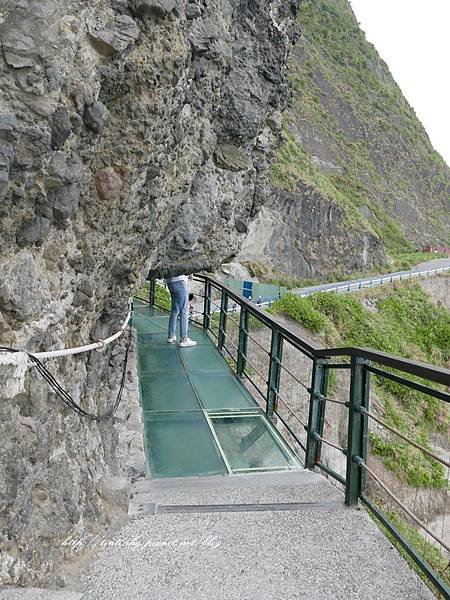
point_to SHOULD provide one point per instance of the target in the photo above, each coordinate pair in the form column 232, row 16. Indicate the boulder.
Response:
column 95, row 116
column 61, row 127
column 231, row 157
column 108, row 183
column 117, row 36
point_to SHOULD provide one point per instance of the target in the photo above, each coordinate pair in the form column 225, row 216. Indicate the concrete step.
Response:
column 301, row 555
column 282, row 488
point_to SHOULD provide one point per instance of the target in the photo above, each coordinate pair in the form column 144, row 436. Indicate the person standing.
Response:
column 179, row 294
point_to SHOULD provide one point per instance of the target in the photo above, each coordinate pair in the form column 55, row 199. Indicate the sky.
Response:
column 412, row 37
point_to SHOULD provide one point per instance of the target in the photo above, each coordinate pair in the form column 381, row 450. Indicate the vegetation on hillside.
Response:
column 378, row 160
column 402, row 321
column 162, row 295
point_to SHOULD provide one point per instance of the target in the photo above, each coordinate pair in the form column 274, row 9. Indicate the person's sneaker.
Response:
column 171, row 339
column 187, row 343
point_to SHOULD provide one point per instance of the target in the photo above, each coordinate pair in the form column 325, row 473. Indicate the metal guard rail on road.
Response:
column 361, row 362
column 368, row 283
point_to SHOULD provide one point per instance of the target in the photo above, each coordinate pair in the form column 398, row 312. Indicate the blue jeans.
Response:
column 180, row 306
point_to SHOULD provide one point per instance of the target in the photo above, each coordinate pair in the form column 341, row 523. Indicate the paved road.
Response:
column 353, row 285
column 365, row 282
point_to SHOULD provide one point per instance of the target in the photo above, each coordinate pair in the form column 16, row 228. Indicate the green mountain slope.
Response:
column 352, row 138
column 360, row 133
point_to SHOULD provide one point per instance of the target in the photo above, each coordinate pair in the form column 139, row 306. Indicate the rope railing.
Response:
column 444, row 462
column 62, row 394
column 306, row 387
column 391, row 494
column 98, row 345
column 293, row 413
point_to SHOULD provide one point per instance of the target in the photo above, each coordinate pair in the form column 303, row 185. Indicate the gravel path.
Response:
column 335, row 553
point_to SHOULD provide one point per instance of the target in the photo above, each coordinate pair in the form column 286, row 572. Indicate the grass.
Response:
column 294, row 166
column 409, row 464
column 403, row 261
column 162, row 295
column 302, row 311
column 406, row 322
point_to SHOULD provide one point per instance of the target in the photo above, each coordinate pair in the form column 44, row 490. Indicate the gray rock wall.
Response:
column 306, row 235
column 134, row 136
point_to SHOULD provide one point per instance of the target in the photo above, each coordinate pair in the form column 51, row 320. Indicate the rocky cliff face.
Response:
column 304, row 234
column 134, row 136
column 356, row 178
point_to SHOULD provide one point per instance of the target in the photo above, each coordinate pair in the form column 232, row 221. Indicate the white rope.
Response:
column 99, row 345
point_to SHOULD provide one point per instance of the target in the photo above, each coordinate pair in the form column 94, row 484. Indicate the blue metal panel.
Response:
column 247, row 289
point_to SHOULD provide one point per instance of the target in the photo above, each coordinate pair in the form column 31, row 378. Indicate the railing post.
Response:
column 222, row 320
column 207, row 306
column 242, row 344
column 319, row 383
column 152, row 292
column 357, row 429
column 273, row 384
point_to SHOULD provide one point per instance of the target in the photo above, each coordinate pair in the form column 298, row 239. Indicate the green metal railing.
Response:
column 234, row 329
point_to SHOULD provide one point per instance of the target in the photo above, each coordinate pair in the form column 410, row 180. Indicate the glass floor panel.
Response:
column 145, row 309
column 161, row 392
column 250, row 443
column 221, row 391
column 204, row 358
column 146, row 324
column 181, row 445
column 196, row 411
column 161, row 338
column 159, row 358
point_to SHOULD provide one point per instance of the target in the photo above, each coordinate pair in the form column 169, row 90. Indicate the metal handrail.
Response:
column 423, row 370
column 413, row 367
column 267, row 319
column 325, row 399
column 328, row 443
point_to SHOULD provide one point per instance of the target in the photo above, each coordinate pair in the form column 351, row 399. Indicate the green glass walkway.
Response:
column 198, row 417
